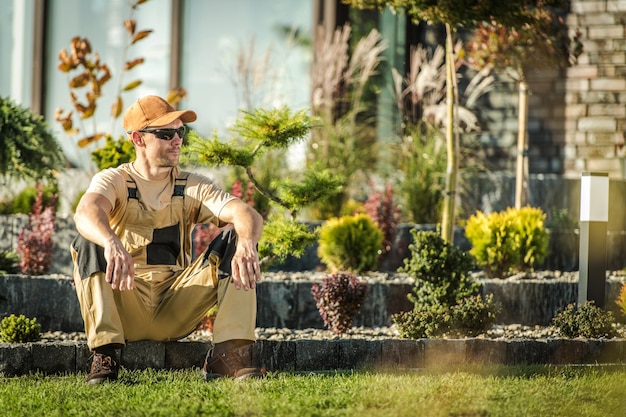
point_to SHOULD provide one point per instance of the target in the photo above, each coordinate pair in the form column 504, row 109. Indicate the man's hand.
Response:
column 248, row 224
column 120, row 271
column 245, row 265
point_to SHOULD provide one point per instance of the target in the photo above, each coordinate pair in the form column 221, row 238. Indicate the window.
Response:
column 16, row 49
column 274, row 68
column 101, row 21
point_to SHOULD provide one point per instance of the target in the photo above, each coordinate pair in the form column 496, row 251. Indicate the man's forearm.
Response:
column 93, row 223
column 248, row 223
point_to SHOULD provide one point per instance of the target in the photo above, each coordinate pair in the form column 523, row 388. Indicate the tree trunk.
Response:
column 449, row 200
column 521, row 177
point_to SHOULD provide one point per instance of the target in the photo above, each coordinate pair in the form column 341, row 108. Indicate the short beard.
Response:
column 165, row 162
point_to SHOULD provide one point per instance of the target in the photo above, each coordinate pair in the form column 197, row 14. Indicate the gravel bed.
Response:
column 497, row 332
column 401, row 278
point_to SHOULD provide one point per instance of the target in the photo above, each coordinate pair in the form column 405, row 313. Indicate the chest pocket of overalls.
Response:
column 142, row 237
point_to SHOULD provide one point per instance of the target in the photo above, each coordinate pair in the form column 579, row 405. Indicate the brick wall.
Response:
column 595, row 90
column 577, row 116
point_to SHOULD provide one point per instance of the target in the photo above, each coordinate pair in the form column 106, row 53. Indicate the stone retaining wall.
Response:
column 290, row 304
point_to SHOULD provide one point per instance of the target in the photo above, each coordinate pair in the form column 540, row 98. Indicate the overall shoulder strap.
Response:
column 131, row 185
column 179, row 185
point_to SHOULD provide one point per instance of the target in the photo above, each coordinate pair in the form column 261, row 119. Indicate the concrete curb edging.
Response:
column 323, row 355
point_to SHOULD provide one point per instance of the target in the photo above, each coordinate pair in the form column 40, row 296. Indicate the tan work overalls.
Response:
column 169, row 299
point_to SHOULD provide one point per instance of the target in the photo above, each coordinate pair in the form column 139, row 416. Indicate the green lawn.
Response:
column 506, row 391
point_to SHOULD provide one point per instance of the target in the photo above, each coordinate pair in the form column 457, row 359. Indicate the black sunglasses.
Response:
column 165, row 134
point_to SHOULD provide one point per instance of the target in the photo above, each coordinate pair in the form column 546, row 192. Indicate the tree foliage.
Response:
column 541, row 42
column 28, row 148
column 257, row 133
column 464, row 13
column 260, row 131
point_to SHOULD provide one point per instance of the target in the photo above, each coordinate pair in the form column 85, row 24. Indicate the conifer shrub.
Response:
column 29, row 149
column 509, row 241
column 350, row 243
column 587, row 320
column 422, row 322
column 282, row 238
column 19, row 329
column 446, row 300
column 470, row 317
column 338, row 299
column 440, row 269
column 473, row 315
column 259, row 135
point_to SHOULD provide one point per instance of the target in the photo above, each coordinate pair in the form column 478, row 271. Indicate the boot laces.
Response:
column 102, row 362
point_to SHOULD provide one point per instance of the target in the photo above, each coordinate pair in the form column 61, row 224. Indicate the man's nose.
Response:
column 177, row 139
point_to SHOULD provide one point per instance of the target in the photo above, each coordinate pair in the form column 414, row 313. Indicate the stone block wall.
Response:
column 595, row 92
column 577, row 116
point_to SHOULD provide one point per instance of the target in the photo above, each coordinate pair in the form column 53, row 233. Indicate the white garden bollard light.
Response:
column 594, row 217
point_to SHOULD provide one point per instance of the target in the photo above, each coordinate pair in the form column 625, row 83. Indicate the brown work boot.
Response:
column 225, row 360
column 104, row 367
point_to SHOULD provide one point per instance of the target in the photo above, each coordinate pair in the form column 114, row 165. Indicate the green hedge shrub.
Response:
column 587, row 320
column 470, row 317
column 23, row 202
column 113, row 153
column 509, row 241
column 29, row 149
column 19, row 329
column 350, row 243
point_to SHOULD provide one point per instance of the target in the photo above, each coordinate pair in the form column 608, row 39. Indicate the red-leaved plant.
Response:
column 34, row 243
column 384, row 213
column 203, row 234
column 338, row 299
column 237, row 191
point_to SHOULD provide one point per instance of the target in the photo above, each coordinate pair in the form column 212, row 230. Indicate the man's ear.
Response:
column 137, row 139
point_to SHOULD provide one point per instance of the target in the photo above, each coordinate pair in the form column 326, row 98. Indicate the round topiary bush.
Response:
column 350, row 243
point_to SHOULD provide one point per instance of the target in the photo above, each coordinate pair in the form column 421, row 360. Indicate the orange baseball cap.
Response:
column 154, row 111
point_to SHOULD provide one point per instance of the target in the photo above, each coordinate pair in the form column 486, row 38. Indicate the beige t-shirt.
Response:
column 204, row 200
